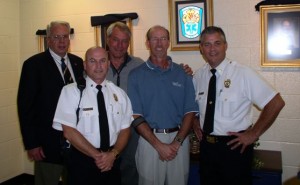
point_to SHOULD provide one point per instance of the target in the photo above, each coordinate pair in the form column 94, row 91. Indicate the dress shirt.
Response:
column 238, row 88
column 57, row 60
column 118, row 107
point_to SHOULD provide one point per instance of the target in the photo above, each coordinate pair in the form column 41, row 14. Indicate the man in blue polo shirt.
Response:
column 163, row 101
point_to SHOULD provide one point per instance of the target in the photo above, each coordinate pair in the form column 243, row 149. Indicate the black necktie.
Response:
column 208, row 126
column 104, row 130
column 67, row 75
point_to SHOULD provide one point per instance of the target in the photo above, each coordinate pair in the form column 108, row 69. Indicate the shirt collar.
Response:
column 127, row 59
column 151, row 66
column 92, row 84
column 221, row 67
column 57, row 57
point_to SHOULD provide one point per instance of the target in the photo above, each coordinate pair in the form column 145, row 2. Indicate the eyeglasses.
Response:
column 156, row 39
column 60, row 37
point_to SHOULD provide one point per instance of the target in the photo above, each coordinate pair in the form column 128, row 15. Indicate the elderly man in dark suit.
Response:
column 42, row 78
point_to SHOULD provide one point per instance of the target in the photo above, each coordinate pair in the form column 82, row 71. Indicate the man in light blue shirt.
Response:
column 163, row 101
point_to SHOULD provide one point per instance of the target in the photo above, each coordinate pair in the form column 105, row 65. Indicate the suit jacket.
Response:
column 39, row 91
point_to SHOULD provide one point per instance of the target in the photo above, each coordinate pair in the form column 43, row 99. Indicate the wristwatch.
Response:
column 115, row 152
column 179, row 139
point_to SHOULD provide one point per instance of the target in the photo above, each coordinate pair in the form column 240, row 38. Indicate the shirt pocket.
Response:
column 229, row 104
column 88, row 122
column 116, row 114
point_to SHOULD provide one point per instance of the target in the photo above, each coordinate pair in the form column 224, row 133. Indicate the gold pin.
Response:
column 116, row 97
column 227, row 83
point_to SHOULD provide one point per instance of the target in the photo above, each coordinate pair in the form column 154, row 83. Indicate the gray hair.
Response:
column 55, row 23
column 211, row 30
column 123, row 27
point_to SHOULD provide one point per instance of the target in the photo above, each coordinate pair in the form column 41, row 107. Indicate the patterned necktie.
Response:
column 67, row 75
column 104, row 129
column 208, row 126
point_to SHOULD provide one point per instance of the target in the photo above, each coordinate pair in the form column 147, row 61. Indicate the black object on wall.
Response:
column 110, row 18
column 102, row 23
column 44, row 32
column 276, row 2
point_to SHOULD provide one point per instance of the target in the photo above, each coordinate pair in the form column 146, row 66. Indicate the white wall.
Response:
column 238, row 19
column 11, row 149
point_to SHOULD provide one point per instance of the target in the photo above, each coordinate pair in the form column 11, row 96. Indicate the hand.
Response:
column 105, row 161
column 187, row 69
column 242, row 139
column 36, row 154
column 168, row 152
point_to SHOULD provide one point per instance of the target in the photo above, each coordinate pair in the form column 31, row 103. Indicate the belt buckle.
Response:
column 165, row 131
column 211, row 139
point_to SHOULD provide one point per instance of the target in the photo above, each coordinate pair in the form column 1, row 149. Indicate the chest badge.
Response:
column 227, row 83
column 115, row 97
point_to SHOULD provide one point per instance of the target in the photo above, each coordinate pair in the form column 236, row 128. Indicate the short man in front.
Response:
column 90, row 162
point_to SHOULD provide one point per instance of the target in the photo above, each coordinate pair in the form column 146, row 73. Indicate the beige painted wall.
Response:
column 11, row 149
column 21, row 18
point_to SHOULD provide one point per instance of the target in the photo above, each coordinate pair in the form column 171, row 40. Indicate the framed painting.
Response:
column 101, row 36
column 280, row 35
column 187, row 19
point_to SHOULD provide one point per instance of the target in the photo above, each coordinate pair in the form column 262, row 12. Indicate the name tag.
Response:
column 87, row 109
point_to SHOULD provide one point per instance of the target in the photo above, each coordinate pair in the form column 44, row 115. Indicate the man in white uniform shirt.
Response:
column 227, row 147
column 88, row 163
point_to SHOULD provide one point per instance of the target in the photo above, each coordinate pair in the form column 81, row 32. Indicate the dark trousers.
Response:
column 128, row 168
column 83, row 170
column 221, row 165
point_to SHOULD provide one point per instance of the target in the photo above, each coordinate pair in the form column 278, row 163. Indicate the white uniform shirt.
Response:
column 118, row 107
column 238, row 88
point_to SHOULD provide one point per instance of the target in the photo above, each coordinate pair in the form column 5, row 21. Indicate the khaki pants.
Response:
column 153, row 171
column 47, row 173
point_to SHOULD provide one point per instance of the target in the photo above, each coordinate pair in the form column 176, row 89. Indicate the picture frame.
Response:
column 280, row 35
column 101, row 36
column 187, row 19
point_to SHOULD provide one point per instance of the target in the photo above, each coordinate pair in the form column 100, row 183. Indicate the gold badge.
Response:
column 116, row 97
column 227, row 83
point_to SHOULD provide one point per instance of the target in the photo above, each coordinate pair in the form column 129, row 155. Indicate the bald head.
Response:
column 91, row 50
column 96, row 64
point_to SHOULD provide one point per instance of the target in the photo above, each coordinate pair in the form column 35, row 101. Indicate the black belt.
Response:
column 218, row 139
column 165, row 130
column 212, row 139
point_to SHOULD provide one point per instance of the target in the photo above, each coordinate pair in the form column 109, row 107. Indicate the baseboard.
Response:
column 22, row 179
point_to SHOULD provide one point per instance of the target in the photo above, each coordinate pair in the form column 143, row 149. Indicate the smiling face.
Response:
column 118, row 43
column 158, row 42
column 59, row 39
column 213, row 48
column 96, row 64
